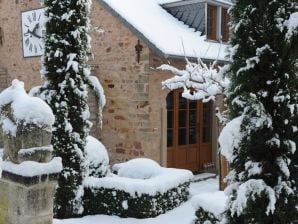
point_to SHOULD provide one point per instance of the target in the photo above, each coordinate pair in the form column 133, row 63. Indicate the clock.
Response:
column 33, row 30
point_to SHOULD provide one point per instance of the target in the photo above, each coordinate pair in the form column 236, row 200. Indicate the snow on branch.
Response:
column 250, row 190
column 292, row 24
column 199, row 81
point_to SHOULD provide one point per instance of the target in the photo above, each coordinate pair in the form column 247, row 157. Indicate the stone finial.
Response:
column 26, row 124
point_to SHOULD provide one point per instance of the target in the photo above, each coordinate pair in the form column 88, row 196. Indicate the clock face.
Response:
column 33, row 29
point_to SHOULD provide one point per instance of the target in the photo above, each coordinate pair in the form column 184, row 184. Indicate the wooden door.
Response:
column 188, row 132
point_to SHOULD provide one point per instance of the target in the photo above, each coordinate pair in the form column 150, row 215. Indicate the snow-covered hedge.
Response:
column 209, row 207
column 139, row 198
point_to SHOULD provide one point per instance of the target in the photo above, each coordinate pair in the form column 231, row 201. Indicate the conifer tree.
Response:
column 65, row 69
column 264, row 95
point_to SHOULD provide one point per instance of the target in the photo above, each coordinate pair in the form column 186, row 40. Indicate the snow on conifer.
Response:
column 65, row 69
column 263, row 91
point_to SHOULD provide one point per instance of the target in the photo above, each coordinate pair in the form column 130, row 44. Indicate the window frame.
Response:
column 225, row 24
column 218, row 23
column 213, row 34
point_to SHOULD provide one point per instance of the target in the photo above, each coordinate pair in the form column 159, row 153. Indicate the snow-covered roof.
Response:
column 163, row 32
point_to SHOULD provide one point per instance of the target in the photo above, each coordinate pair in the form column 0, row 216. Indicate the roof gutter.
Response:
column 206, row 60
column 187, row 2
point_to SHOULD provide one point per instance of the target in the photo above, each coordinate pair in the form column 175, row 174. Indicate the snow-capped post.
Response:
column 263, row 107
column 65, row 71
column 29, row 173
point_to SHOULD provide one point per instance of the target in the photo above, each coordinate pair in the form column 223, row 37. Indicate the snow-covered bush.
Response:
column 139, row 198
column 209, row 207
column 139, row 168
column 98, row 158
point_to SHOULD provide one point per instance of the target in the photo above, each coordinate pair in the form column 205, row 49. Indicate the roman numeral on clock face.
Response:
column 34, row 16
column 27, row 41
column 29, row 19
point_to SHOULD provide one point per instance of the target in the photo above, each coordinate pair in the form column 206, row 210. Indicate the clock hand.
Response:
column 34, row 31
column 36, row 35
column 35, row 28
column 33, row 34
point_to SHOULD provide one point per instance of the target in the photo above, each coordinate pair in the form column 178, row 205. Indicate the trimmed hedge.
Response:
column 118, row 202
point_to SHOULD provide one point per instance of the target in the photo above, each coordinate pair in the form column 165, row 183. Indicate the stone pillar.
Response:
column 29, row 173
column 26, row 200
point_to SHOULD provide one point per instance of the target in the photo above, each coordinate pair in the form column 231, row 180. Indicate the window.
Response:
column 211, row 22
column 217, row 15
column 225, row 19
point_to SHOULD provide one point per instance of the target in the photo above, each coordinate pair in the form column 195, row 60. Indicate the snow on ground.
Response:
column 184, row 214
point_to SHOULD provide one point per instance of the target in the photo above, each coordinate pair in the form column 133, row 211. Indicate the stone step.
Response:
column 203, row 176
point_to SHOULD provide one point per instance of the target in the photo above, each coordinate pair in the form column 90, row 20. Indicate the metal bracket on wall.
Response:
column 1, row 37
column 139, row 49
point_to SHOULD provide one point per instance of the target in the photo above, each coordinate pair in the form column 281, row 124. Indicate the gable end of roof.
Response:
column 132, row 28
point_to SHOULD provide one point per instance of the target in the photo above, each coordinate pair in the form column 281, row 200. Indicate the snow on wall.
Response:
column 30, row 168
column 164, row 31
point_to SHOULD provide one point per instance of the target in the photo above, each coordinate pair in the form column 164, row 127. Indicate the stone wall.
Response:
column 25, row 69
column 126, row 124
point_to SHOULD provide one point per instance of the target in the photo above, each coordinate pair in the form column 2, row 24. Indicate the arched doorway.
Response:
column 189, row 134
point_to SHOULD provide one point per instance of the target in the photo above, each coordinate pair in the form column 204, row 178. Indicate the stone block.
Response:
column 26, row 202
column 27, row 136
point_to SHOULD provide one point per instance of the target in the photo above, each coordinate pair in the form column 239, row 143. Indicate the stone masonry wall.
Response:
column 11, row 53
column 127, row 131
